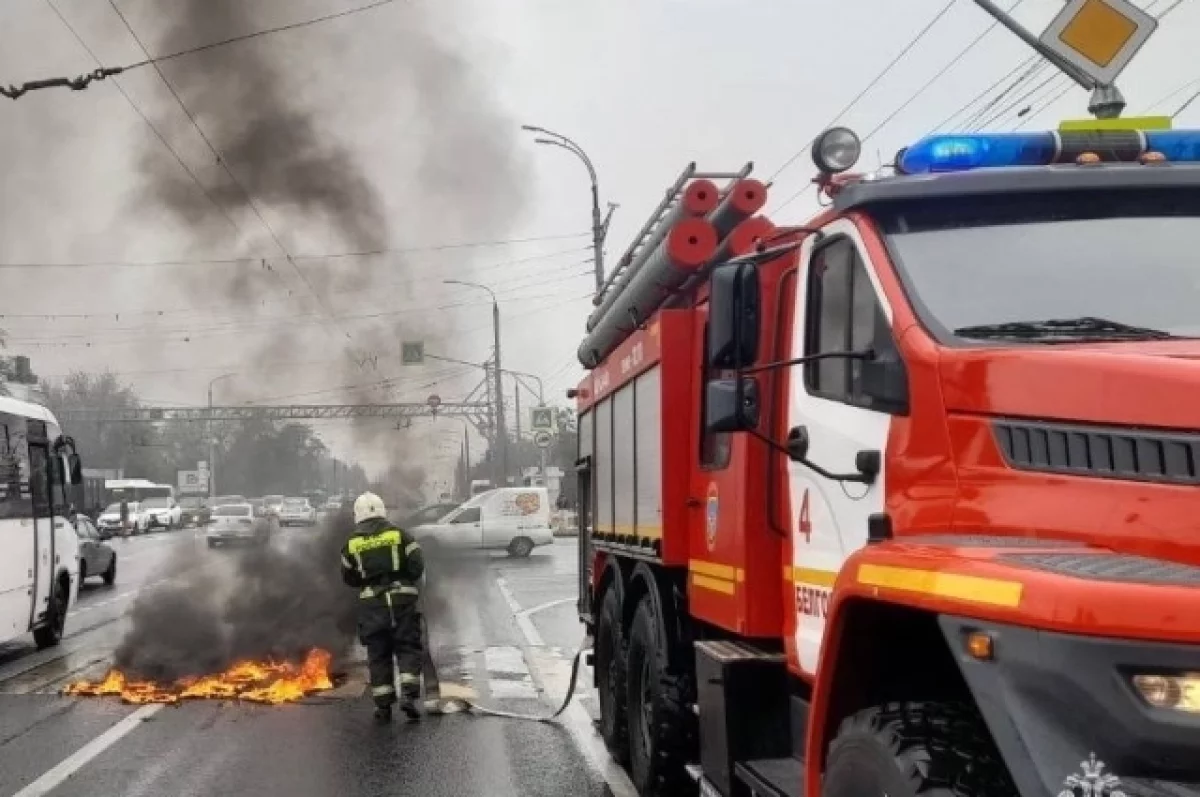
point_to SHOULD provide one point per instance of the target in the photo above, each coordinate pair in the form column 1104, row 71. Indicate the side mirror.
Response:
column 104, row 534
column 731, row 405
column 733, row 317
column 884, row 380
column 76, row 466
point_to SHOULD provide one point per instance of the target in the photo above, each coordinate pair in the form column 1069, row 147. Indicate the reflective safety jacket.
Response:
column 382, row 561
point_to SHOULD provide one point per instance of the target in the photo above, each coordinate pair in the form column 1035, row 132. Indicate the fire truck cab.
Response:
column 904, row 501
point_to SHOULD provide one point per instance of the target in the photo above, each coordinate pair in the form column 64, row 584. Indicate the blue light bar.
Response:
column 1177, row 146
column 956, row 153
column 960, row 153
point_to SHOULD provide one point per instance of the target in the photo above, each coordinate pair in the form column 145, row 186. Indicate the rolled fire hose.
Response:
column 455, row 704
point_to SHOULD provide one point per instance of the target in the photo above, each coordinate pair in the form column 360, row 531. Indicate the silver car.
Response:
column 96, row 556
column 237, row 523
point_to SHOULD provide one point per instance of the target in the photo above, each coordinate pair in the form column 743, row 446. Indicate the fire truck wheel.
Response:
column 661, row 730
column 610, row 677
column 906, row 749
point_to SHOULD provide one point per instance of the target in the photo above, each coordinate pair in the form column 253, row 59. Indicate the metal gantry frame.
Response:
column 279, row 412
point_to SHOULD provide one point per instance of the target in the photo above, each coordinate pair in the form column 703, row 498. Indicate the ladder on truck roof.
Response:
column 663, row 211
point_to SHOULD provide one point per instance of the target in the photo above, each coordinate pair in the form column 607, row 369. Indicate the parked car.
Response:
column 222, row 500
column 237, row 523
column 195, row 510
column 136, row 520
column 163, row 512
column 296, row 512
column 272, row 503
column 96, row 556
column 515, row 519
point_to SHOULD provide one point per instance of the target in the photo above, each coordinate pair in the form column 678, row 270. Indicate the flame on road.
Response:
column 256, row 682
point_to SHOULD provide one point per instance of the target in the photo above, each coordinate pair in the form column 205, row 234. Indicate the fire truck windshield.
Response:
column 1051, row 269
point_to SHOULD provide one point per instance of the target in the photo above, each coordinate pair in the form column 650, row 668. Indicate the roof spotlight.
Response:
column 836, row 150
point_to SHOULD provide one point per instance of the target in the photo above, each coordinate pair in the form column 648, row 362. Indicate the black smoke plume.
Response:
column 275, row 159
column 277, row 601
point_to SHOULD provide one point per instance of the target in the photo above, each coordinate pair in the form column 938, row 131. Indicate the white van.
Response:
column 515, row 519
column 39, row 549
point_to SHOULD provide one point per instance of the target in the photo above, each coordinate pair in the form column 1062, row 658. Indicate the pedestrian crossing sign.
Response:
column 541, row 419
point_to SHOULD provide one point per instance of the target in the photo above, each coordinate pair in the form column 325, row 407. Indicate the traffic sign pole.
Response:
column 1090, row 41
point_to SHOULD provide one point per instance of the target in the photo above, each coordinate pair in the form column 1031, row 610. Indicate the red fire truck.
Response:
column 905, row 501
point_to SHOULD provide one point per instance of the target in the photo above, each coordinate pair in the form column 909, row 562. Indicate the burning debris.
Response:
column 266, row 682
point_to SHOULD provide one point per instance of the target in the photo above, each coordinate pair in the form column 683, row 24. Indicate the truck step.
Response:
column 727, row 652
column 772, row 777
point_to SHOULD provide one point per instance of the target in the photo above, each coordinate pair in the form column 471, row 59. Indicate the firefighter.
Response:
column 385, row 564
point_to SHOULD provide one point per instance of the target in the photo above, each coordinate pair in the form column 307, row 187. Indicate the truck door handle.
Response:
column 694, row 503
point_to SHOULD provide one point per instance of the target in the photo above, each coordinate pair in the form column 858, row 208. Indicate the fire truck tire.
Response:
column 610, row 677
column 906, row 749
column 661, row 727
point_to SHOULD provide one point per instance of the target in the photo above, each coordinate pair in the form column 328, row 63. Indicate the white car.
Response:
column 513, row 519
column 296, row 512
column 163, row 512
column 110, row 519
column 237, row 523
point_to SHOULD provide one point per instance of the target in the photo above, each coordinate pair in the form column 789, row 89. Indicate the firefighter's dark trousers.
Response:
column 391, row 633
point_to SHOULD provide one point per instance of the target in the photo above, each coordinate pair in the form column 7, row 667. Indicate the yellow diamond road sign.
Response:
column 1100, row 37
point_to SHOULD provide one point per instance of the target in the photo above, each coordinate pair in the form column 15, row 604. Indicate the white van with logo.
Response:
column 513, row 519
column 39, row 548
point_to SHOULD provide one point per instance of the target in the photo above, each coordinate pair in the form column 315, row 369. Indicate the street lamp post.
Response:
column 212, row 442
column 599, row 226
column 501, row 431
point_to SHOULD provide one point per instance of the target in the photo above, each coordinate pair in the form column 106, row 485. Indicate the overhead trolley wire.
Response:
column 100, row 73
column 912, row 98
column 874, row 82
column 153, row 128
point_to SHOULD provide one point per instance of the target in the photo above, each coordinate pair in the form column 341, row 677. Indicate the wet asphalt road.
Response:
column 502, row 631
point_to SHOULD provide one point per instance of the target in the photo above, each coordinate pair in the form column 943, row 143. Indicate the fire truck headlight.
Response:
column 1180, row 692
column 836, row 150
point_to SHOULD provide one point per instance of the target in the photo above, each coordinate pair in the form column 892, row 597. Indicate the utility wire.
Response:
column 912, row 98
column 874, row 81
column 248, row 308
column 988, row 114
column 83, row 81
column 1019, row 104
column 229, row 172
column 963, row 108
column 153, row 128
column 243, row 261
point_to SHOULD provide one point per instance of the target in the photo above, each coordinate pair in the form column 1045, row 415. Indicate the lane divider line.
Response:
column 55, row 776
column 528, row 630
column 575, row 718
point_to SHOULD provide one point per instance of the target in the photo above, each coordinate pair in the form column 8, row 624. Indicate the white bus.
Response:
column 39, row 552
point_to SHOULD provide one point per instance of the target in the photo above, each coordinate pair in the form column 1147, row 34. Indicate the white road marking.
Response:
column 547, row 605
column 576, row 719
column 528, row 630
column 80, row 758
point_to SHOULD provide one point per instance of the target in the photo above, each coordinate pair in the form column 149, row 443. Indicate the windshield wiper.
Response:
column 1082, row 328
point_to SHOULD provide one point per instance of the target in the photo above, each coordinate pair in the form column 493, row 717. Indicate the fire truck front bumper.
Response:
column 1079, row 715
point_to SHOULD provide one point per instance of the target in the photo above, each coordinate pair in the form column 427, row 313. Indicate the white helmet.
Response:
column 368, row 506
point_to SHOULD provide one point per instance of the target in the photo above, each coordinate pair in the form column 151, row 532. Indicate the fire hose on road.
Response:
column 453, row 705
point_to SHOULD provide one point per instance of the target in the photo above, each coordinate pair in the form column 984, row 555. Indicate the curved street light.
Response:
column 599, row 227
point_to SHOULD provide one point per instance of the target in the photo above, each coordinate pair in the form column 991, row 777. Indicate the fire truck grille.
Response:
column 1100, row 451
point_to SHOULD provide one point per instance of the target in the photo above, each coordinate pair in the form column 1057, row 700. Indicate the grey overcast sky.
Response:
column 421, row 101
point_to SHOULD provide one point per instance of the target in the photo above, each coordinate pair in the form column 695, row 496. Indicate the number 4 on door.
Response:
column 805, row 522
